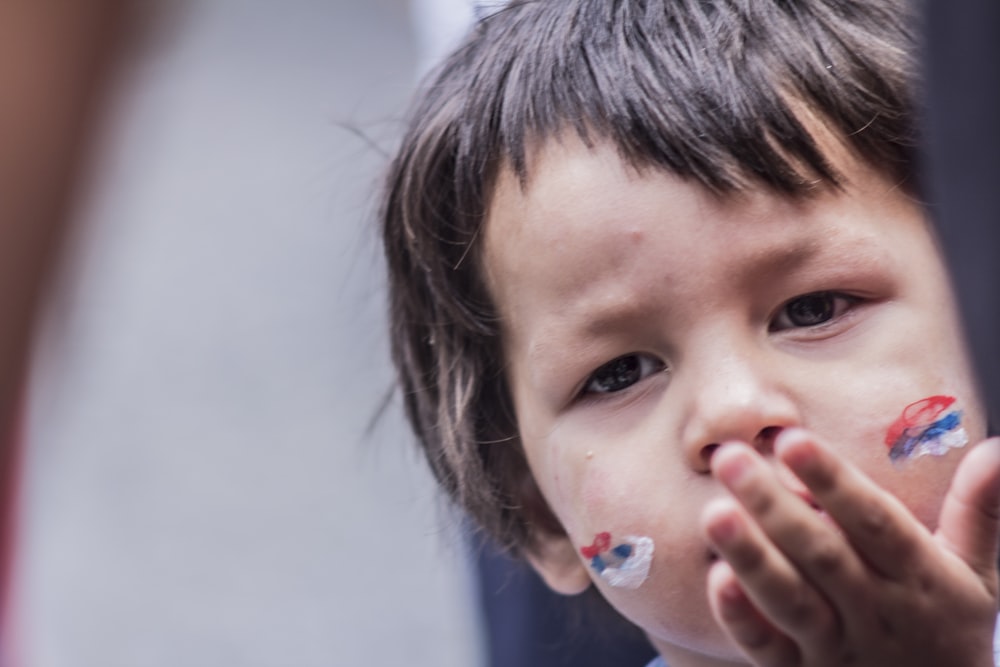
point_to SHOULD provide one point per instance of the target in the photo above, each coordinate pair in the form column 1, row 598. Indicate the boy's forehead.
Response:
column 577, row 195
column 563, row 169
column 585, row 214
column 564, row 179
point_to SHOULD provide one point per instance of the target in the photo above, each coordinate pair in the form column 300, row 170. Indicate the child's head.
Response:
column 622, row 233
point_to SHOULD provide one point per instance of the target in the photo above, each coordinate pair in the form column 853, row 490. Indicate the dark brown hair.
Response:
column 713, row 91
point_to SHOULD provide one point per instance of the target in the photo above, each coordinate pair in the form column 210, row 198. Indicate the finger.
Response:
column 806, row 539
column 970, row 515
column 879, row 527
column 778, row 591
column 760, row 641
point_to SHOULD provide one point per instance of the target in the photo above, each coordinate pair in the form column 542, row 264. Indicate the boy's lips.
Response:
column 807, row 498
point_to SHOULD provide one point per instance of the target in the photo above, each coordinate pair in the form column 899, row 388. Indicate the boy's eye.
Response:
column 811, row 310
column 622, row 373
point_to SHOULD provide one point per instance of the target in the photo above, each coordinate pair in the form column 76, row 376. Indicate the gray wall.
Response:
column 199, row 485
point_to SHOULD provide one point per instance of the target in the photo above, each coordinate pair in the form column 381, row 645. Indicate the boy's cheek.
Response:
column 572, row 469
column 868, row 434
column 614, row 527
column 592, row 493
column 582, row 493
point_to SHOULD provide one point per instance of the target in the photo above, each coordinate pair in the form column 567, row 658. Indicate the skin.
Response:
column 746, row 438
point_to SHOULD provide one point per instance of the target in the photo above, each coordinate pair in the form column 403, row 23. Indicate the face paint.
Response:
column 926, row 427
column 625, row 565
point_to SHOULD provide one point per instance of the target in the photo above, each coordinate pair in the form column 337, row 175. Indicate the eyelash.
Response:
column 639, row 365
column 838, row 305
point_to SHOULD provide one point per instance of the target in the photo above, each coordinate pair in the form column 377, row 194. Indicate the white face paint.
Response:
column 624, row 565
column 634, row 570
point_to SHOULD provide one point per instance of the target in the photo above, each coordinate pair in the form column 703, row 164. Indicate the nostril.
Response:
column 707, row 452
column 765, row 439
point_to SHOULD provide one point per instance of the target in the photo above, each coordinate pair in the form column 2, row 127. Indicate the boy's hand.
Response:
column 872, row 587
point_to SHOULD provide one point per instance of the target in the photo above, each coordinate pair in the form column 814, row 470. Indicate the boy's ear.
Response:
column 554, row 559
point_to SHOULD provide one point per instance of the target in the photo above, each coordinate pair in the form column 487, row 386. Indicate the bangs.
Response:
column 711, row 91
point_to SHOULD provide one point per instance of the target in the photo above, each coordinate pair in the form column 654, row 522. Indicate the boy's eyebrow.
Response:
column 782, row 258
column 609, row 314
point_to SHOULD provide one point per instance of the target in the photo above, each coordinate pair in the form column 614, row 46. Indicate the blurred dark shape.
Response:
column 54, row 58
column 963, row 167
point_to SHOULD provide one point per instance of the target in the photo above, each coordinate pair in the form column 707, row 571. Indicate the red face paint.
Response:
column 601, row 543
column 914, row 414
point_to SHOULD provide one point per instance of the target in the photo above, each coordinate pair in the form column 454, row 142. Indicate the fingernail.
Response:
column 797, row 452
column 724, row 528
column 733, row 464
column 732, row 593
column 799, row 458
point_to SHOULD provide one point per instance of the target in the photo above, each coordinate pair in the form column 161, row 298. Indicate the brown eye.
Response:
column 622, row 373
column 811, row 310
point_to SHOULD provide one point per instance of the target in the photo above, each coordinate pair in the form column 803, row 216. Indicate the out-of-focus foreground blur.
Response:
column 199, row 486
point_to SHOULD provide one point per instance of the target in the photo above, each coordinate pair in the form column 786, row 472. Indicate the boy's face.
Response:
column 646, row 322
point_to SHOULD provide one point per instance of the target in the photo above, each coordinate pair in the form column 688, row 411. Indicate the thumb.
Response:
column 969, row 525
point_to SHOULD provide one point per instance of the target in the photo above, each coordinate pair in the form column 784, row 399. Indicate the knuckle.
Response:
column 802, row 612
column 808, row 616
column 824, row 480
column 886, row 624
column 759, row 502
column 748, row 558
column 827, row 557
column 875, row 522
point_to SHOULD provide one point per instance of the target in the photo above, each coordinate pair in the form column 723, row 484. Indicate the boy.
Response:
column 670, row 321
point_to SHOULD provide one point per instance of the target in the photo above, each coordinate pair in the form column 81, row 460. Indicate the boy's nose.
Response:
column 738, row 398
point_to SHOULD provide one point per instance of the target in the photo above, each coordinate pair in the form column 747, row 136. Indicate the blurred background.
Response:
column 203, row 482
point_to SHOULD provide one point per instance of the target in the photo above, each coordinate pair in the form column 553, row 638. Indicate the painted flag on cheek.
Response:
column 928, row 426
column 622, row 565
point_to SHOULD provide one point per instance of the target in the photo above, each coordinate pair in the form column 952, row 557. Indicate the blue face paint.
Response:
column 927, row 426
